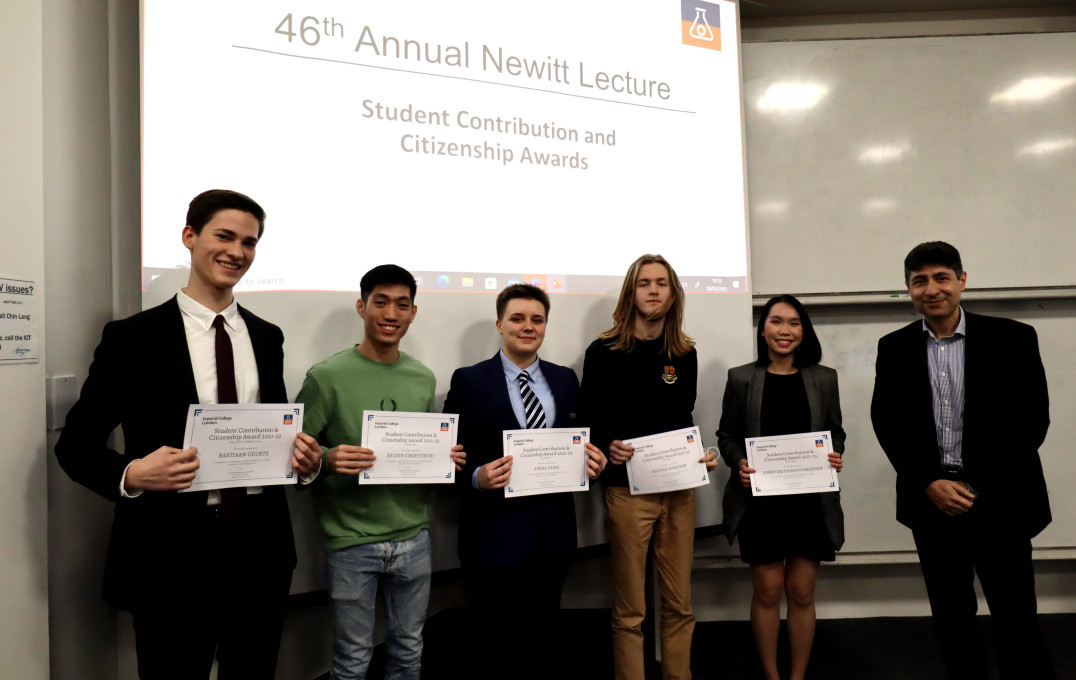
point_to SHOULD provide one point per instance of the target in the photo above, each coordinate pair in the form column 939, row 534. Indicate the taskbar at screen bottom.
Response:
column 563, row 283
column 171, row 279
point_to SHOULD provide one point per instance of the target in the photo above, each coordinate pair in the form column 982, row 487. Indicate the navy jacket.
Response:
column 495, row 531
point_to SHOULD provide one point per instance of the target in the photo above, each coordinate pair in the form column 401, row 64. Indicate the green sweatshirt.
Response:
column 334, row 395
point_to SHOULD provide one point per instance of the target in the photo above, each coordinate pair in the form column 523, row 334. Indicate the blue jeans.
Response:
column 402, row 569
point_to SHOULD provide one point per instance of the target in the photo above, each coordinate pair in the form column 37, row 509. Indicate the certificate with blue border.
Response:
column 791, row 463
column 666, row 462
column 409, row 448
column 547, row 460
column 242, row 444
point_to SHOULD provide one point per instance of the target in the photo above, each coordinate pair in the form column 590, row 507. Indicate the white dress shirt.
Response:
column 201, row 344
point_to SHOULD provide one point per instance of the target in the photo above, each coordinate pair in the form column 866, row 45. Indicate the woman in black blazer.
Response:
column 783, row 538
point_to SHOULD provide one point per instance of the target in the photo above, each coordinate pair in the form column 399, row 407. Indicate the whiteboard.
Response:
column 911, row 139
column 453, row 330
column 849, row 335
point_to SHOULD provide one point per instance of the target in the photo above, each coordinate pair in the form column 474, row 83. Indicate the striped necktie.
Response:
column 531, row 405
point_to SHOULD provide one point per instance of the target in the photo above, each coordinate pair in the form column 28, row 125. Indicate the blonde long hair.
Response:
column 622, row 335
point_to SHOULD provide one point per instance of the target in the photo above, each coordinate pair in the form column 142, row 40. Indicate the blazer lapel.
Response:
column 754, row 402
column 257, row 344
column 174, row 350
column 173, row 341
column 976, row 353
column 562, row 401
column 814, row 398
column 499, row 391
column 920, row 367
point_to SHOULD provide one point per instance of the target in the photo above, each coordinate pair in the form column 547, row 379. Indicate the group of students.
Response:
column 207, row 573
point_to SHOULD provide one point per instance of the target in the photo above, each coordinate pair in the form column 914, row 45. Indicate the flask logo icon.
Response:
column 700, row 28
column 700, row 24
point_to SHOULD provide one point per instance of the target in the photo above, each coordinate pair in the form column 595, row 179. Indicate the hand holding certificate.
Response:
column 666, row 462
column 410, row 448
column 242, row 444
column 548, row 460
column 792, row 463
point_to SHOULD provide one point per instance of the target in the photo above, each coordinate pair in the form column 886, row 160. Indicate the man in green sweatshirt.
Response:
column 373, row 533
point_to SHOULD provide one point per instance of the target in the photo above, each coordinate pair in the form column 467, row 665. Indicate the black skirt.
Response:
column 775, row 528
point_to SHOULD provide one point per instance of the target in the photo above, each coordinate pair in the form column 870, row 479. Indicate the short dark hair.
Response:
column 208, row 203
column 521, row 291
column 808, row 353
column 932, row 252
column 386, row 275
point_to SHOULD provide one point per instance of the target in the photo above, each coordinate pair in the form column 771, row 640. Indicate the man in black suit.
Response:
column 960, row 407
column 201, row 572
column 514, row 551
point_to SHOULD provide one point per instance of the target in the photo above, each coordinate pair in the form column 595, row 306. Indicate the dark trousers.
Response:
column 951, row 551
column 230, row 605
column 512, row 617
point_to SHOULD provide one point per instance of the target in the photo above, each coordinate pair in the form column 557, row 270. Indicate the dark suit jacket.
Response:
column 141, row 379
column 495, row 531
column 1006, row 414
column 741, row 417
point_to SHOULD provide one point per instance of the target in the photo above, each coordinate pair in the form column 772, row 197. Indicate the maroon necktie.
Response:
column 226, row 394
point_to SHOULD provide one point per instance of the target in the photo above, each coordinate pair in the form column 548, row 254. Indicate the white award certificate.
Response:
column 791, row 463
column 666, row 462
column 242, row 444
column 410, row 448
column 547, row 460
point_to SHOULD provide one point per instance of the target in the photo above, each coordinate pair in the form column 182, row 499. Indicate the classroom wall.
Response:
column 77, row 170
column 890, row 584
column 68, row 182
column 894, row 586
column 24, row 633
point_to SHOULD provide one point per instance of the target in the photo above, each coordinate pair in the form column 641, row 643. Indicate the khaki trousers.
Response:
column 630, row 522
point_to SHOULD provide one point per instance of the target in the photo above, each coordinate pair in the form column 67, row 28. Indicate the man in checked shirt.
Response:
column 960, row 408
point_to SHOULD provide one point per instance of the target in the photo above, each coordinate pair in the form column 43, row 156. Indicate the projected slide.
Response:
column 475, row 143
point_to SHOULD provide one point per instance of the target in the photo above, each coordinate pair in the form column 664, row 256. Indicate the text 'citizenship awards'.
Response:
column 547, row 460
column 410, row 448
column 666, row 462
column 791, row 463
column 242, row 444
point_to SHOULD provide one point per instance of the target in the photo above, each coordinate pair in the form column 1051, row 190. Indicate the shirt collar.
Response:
column 203, row 315
column 960, row 326
column 511, row 371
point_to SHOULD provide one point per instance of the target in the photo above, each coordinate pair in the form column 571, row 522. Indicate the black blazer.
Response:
column 741, row 417
column 1006, row 414
column 141, row 380
column 493, row 530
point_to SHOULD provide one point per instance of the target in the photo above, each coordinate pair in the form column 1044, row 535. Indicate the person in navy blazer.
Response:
column 975, row 500
column 197, row 583
column 514, row 552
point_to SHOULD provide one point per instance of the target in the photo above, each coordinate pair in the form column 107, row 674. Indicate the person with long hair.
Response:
column 783, row 538
column 639, row 378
